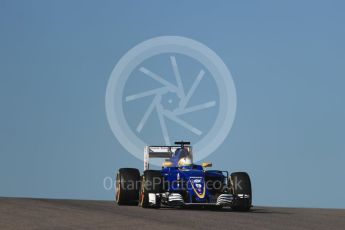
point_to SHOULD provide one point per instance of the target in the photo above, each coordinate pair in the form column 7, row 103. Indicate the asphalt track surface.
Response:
column 19, row 213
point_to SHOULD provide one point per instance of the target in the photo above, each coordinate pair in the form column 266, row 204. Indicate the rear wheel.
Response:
column 127, row 186
column 241, row 186
column 151, row 182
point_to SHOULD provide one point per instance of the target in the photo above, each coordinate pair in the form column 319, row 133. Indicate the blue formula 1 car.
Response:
column 181, row 183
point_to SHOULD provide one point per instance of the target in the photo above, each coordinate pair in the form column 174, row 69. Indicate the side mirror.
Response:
column 206, row 164
column 167, row 164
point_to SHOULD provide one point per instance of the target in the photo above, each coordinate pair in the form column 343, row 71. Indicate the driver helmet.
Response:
column 185, row 161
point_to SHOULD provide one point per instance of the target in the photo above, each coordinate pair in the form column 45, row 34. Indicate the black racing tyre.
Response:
column 127, row 186
column 151, row 182
column 241, row 185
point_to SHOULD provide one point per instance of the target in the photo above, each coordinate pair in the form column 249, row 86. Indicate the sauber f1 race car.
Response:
column 181, row 183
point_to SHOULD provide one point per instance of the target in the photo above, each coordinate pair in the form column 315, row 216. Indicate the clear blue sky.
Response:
column 287, row 59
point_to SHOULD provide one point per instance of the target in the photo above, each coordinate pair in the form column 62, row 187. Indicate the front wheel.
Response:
column 241, row 187
column 151, row 182
column 127, row 186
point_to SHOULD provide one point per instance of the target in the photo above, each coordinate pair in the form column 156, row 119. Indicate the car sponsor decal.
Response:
column 198, row 185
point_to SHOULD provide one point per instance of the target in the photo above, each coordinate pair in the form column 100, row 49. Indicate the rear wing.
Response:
column 160, row 152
